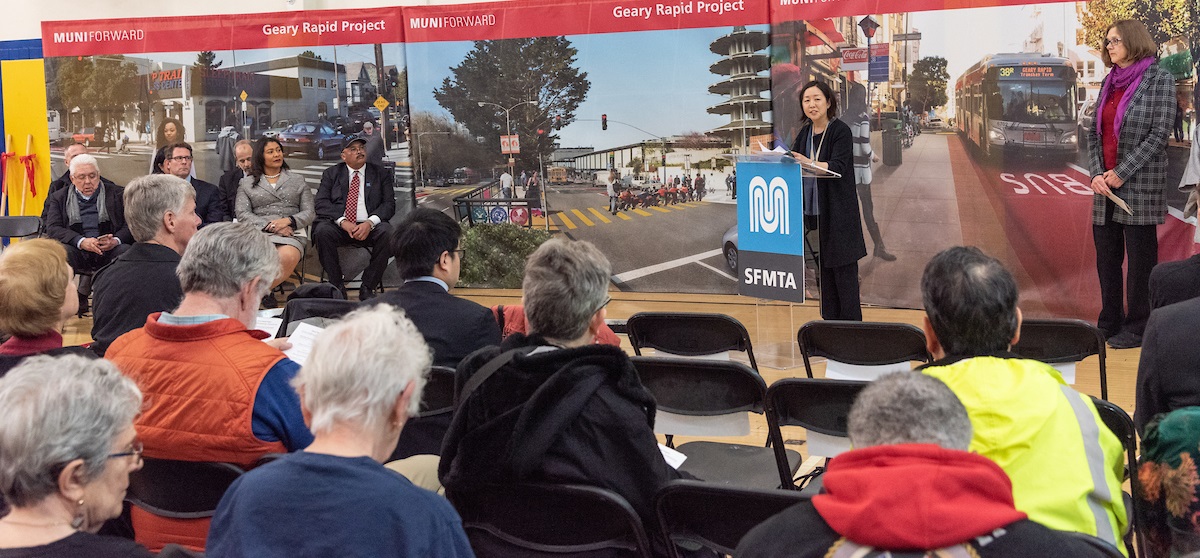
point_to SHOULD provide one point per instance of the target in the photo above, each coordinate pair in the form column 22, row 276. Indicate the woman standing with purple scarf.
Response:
column 1128, row 155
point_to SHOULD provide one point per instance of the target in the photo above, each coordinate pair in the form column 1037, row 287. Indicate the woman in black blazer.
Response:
column 831, row 204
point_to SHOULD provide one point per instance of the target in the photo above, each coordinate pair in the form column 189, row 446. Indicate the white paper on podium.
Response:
column 780, row 155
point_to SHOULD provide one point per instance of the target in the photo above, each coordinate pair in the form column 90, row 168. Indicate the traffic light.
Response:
column 603, row 121
column 664, row 160
column 557, row 122
column 541, row 131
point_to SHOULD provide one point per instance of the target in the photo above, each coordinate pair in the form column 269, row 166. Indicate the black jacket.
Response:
column 229, row 187
column 59, row 228
column 576, row 416
column 209, row 205
column 138, row 283
column 840, row 223
column 59, row 183
column 453, row 327
column 378, row 187
column 1166, row 375
column 1172, row 282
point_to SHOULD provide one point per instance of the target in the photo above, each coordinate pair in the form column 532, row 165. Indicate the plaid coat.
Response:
column 1141, row 151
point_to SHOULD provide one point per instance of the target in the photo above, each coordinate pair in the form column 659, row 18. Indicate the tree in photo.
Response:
column 101, row 88
column 511, row 72
column 927, row 83
column 439, row 146
column 1164, row 18
column 207, row 59
column 309, row 54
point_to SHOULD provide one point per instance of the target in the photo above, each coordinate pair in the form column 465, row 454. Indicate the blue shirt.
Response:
column 312, row 504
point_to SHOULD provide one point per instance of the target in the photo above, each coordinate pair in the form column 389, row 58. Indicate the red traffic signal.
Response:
column 603, row 121
column 557, row 122
column 541, row 131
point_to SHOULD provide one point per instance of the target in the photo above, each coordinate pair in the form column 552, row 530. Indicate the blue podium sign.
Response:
column 770, row 230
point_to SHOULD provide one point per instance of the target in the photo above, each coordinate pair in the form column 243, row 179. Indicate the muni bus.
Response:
column 1019, row 103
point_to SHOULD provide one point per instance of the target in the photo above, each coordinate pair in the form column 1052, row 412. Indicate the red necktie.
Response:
column 352, row 199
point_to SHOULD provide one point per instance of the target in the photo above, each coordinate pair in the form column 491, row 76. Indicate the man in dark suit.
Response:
column 1172, row 282
column 65, row 180
column 89, row 217
column 208, row 197
column 243, row 151
column 428, row 257
column 354, row 203
column 1166, row 375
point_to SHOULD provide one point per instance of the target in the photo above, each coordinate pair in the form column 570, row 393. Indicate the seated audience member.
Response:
column 69, row 445
column 161, row 213
column 89, row 218
column 209, row 207
column 243, row 152
column 428, row 258
column 354, row 203
column 1169, row 484
column 559, row 409
column 37, row 295
column 511, row 319
column 361, row 383
column 1166, row 376
column 65, row 180
column 280, row 204
column 1172, row 282
column 910, row 485
column 1065, row 466
column 199, row 363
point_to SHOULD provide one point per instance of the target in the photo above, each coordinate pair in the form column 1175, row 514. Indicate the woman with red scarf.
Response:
column 1128, row 154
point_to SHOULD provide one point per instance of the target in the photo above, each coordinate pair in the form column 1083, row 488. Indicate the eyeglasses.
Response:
column 181, row 158
column 1113, row 42
column 135, row 451
column 462, row 253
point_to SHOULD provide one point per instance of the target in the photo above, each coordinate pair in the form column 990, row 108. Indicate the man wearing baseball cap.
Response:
column 354, row 203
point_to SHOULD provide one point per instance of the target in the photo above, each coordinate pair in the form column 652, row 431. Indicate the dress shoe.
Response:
column 367, row 293
column 1125, row 340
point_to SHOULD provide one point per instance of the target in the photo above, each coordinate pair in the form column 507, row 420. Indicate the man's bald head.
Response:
column 71, row 151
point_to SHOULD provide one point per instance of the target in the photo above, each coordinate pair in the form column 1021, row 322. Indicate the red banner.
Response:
column 223, row 32
column 799, row 10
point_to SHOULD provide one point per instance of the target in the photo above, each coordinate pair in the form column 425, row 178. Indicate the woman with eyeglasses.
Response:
column 278, row 202
column 69, row 446
column 1127, row 150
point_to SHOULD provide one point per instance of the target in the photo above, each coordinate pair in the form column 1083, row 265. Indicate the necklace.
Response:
column 273, row 176
column 37, row 525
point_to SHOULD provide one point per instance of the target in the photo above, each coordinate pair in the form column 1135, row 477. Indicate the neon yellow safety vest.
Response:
column 1066, row 466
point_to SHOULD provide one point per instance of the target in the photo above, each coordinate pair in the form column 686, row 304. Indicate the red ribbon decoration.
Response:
column 30, row 162
column 4, row 157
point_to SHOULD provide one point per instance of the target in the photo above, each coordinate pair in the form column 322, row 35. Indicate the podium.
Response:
column 770, row 210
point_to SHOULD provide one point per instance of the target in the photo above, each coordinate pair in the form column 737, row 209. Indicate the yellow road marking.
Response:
column 642, row 212
column 660, row 209
column 599, row 215
column 583, row 218
column 623, row 216
column 566, row 221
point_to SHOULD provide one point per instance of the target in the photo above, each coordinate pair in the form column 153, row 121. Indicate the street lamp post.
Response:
column 507, row 122
column 422, row 153
column 868, row 26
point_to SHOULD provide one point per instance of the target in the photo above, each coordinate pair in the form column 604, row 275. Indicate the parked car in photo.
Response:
column 1087, row 120
column 315, row 139
column 85, row 136
column 276, row 127
column 935, row 123
column 729, row 248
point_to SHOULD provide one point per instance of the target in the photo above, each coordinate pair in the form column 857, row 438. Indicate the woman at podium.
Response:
column 831, row 204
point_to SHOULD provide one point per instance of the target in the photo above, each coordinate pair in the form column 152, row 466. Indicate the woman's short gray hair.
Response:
column 81, row 160
column 150, row 197
column 224, row 257
column 566, row 282
column 57, row 410
column 360, row 365
column 909, row 408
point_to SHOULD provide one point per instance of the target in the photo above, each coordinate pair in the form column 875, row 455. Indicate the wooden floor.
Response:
column 772, row 326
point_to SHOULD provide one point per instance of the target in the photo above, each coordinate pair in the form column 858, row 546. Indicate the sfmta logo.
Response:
column 769, row 206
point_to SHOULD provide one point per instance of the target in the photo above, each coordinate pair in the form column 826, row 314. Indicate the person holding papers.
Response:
column 831, row 204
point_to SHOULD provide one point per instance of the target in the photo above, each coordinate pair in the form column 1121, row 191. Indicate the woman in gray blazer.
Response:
column 278, row 202
column 1128, row 155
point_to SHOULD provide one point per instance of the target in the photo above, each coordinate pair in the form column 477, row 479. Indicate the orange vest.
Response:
column 199, row 383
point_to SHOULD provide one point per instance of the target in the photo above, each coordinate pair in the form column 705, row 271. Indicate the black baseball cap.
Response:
column 354, row 139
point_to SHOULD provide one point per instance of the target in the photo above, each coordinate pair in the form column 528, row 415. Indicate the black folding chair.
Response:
column 1118, row 421
column 715, row 516
column 534, row 520
column 712, row 398
column 820, row 406
column 423, row 433
column 180, row 489
column 300, row 309
column 20, row 226
column 688, row 334
column 1061, row 341
column 879, row 344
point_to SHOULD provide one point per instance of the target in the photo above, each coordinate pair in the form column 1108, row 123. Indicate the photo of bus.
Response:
column 1020, row 103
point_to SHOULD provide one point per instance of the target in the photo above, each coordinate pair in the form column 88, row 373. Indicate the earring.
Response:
column 78, row 520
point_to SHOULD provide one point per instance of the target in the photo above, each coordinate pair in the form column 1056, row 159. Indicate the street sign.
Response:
column 854, row 59
column 877, row 67
column 906, row 37
column 243, row 96
column 381, row 103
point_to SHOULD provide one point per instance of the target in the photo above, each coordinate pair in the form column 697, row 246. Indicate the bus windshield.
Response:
column 1032, row 102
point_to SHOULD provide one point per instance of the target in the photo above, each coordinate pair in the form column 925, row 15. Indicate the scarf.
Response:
column 73, row 216
column 1121, row 78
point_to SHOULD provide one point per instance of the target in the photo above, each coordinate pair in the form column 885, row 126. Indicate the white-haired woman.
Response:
column 69, row 445
column 362, row 382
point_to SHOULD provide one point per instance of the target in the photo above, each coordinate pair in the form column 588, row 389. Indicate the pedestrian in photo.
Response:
column 858, row 118
column 1128, row 159
column 831, row 204
column 611, row 183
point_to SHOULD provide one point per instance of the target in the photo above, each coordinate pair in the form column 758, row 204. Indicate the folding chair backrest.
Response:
column 861, row 350
column 438, row 396
column 1119, row 423
column 702, row 397
column 550, row 520
column 19, row 226
column 180, row 489
column 1063, row 343
column 301, row 309
column 714, row 515
column 820, row 406
column 688, row 334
